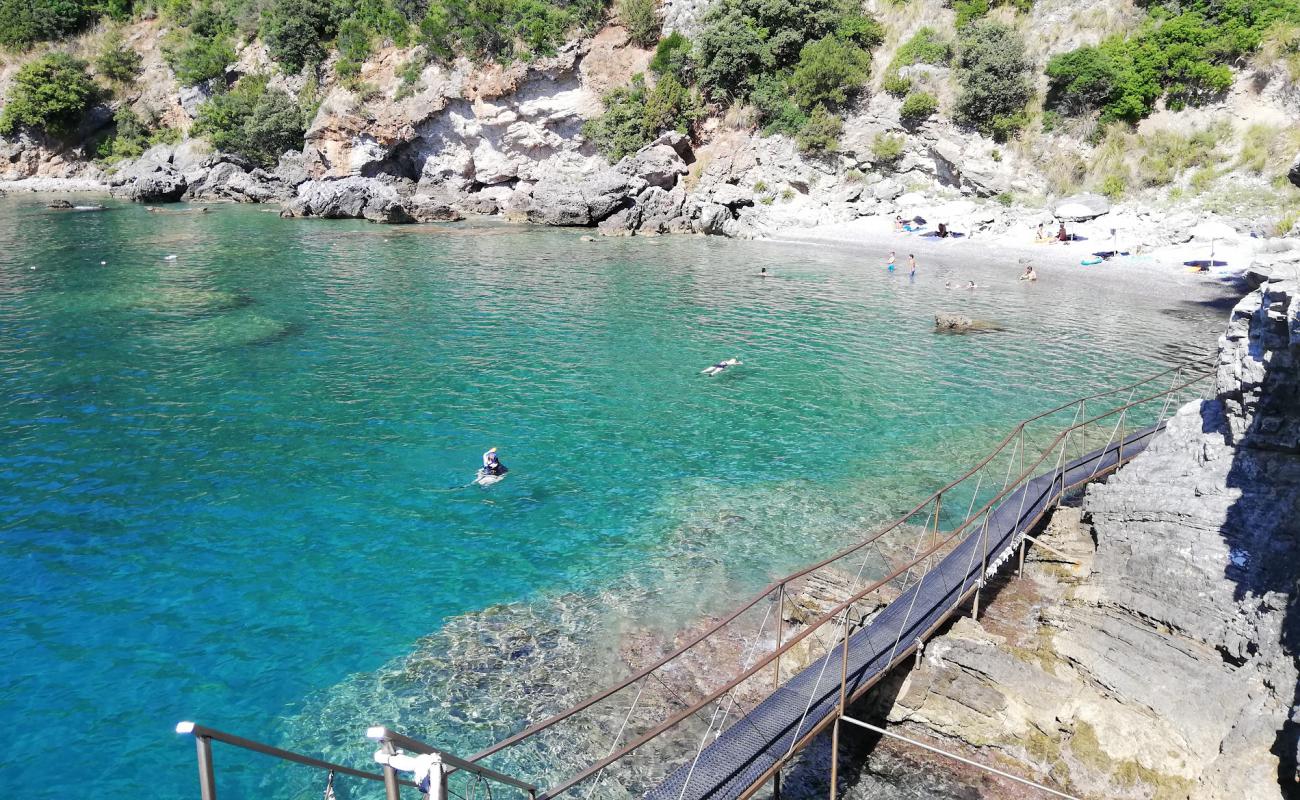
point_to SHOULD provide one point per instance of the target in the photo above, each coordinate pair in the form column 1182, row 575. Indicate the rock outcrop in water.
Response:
column 1161, row 663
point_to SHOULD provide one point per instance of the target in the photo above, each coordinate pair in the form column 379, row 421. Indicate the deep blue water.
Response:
column 231, row 480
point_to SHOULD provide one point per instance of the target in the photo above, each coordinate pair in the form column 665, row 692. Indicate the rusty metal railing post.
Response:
column 207, row 777
column 780, row 634
column 835, row 757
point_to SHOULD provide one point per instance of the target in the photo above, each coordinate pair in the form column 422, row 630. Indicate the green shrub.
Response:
column 918, row 106
column 743, row 42
column 896, row 84
column 1181, row 54
column 821, row 133
column 1114, row 186
column 116, row 61
column 925, row 47
column 969, row 11
column 250, row 120
column 640, row 19
column 887, row 149
column 353, row 44
column 635, row 115
column 25, row 22
column 787, row 194
column 673, row 57
column 828, row 72
column 1005, row 199
column 202, row 47
column 295, row 32
column 130, row 137
column 760, row 186
column 501, row 30
column 992, row 73
column 777, row 111
column 50, row 93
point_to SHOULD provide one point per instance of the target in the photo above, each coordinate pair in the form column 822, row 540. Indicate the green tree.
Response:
column 50, row 93
column 116, row 61
column 640, row 19
column 742, row 41
column 829, row 71
column 635, row 115
column 992, row 73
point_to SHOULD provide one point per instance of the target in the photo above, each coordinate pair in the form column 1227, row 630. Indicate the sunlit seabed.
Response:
column 234, row 483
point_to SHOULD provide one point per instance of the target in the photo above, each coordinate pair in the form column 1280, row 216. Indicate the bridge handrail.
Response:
column 1203, row 361
column 381, row 734
column 204, row 736
column 830, row 615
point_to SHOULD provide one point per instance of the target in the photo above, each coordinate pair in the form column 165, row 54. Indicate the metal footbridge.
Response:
column 786, row 665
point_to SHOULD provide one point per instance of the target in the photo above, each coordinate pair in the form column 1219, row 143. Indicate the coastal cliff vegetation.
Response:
column 1064, row 90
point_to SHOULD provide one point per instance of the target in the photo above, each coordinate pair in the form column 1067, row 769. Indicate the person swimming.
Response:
column 762, row 272
column 720, row 366
column 1029, row 274
column 492, row 465
column 972, row 285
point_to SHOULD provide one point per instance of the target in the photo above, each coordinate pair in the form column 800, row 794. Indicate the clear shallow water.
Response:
column 230, row 481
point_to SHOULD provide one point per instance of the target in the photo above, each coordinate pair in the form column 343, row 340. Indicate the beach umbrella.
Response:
column 1073, row 212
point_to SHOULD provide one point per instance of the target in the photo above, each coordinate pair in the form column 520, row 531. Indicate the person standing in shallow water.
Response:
column 911, row 267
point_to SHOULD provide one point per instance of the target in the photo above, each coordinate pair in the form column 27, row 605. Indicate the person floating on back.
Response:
column 720, row 366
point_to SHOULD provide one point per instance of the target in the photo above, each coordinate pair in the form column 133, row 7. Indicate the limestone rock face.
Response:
column 347, row 198
column 150, row 180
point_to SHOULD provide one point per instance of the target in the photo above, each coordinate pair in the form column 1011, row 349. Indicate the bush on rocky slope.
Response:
column 253, row 121
column 926, row 46
column 50, row 93
column 993, row 75
column 25, row 22
column 116, row 61
column 1180, row 53
column 641, row 20
column 635, row 115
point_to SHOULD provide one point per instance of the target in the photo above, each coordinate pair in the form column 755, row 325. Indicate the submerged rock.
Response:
column 945, row 322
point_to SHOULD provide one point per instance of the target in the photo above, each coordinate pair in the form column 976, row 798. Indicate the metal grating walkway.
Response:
column 746, row 752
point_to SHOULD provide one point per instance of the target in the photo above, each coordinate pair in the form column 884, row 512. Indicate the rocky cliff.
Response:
column 1159, row 661
column 507, row 140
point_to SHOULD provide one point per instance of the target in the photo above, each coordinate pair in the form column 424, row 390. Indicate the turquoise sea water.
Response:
column 232, row 480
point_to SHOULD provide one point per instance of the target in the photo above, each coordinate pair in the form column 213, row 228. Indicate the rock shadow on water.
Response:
column 239, row 329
